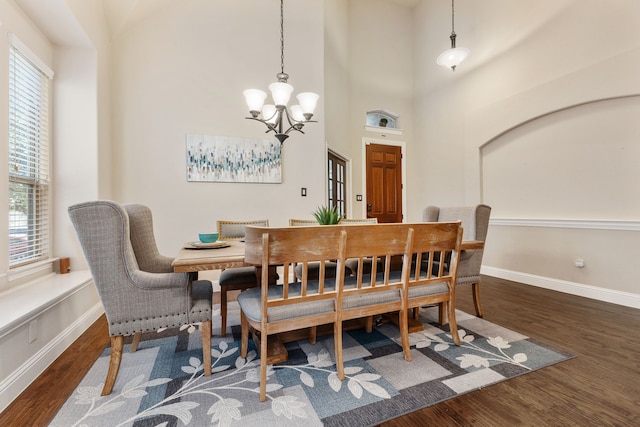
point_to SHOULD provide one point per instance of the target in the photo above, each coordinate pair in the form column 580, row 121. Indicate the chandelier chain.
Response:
column 282, row 36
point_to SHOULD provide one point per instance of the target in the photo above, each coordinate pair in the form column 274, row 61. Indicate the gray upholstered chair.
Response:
column 146, row 250
column 134, row 300
column 475, row 221
column 237, row 278
column 144, row 242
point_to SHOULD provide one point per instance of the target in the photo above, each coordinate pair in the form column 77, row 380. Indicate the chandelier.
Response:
column 277, row 117
column 451, row 58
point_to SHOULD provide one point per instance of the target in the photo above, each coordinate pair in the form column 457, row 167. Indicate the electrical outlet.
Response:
column 303, row 192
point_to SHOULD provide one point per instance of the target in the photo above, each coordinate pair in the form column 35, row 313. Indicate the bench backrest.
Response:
column 396, row 250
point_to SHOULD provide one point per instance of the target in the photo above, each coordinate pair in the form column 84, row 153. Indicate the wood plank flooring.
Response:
column 600, row 387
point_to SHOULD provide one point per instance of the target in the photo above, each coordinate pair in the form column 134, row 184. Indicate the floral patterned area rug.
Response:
column 162, row 384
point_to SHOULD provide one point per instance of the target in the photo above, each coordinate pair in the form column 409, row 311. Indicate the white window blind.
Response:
column 28, row 158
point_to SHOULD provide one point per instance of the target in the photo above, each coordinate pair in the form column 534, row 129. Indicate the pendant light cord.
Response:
column 453, row 31
column 282, row 36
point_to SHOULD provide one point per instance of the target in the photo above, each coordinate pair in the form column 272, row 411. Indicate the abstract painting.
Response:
column 233, row 159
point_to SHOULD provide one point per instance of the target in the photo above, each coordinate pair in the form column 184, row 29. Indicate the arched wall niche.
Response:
column 582, row 89
column 578, row 162
column 538, row 242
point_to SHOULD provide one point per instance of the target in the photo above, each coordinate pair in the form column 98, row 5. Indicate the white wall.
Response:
column 182, row 70
column 476, row 123
column 380, row 77
column 57, row 309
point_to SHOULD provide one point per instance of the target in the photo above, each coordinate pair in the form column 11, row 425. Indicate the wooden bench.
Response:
column 307, row 303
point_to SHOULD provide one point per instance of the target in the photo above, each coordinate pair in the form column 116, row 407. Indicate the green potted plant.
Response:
column 326, row 215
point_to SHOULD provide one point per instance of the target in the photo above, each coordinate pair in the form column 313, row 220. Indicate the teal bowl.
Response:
column 208, row 238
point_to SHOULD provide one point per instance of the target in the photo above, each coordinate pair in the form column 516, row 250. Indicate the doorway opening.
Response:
column 337, row 182
column 385, row 173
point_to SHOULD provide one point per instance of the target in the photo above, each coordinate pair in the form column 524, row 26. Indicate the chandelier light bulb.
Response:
column 269, row 113
column 280, row 92
column 296, row 113
column 255, row 99
column 308, row 101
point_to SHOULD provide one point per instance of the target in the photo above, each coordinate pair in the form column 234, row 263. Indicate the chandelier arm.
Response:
column 292, row 125
column 266, row 123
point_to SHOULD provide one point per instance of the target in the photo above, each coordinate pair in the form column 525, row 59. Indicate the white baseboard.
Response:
column 601, row 294
column 21, row 378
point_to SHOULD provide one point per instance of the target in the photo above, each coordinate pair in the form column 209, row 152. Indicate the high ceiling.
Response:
column 122, row 14
column 490, row 27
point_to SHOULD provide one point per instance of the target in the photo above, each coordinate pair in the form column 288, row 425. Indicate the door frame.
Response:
column 403, row 150
column 349, row 172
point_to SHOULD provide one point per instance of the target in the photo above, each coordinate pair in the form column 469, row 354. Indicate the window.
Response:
column 337, row 183
column 28, row 156
column 381, row 118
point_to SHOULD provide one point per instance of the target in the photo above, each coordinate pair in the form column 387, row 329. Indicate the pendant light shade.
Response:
column 451, row 58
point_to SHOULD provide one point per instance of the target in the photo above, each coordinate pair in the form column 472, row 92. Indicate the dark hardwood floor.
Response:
column 599, row 387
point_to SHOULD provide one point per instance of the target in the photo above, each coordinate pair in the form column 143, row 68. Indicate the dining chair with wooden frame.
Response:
column 294, row 222
column 236, row 278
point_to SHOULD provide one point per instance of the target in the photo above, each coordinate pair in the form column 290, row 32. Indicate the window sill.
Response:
column 21, row 304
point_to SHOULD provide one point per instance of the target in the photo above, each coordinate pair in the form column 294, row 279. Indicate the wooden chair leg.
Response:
column 206, row 347
column 337, row 340
column 223, row 310
column 136, row 341
column 404, row 334
column 453, row 325
column 442, row 313
column 416, row 313
column 263, row 367
column 476, row 298
column 117, row 344
column 313, row 334
column 244, row 338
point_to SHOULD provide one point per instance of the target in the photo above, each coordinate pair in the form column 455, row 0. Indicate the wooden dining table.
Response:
column 192, row 259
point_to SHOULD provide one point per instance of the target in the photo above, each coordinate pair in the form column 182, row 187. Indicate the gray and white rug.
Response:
column 162, row 383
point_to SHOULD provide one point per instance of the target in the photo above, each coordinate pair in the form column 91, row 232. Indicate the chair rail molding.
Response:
column 586, row 224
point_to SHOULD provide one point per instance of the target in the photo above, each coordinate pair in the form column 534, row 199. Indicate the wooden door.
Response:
column 384, row 182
